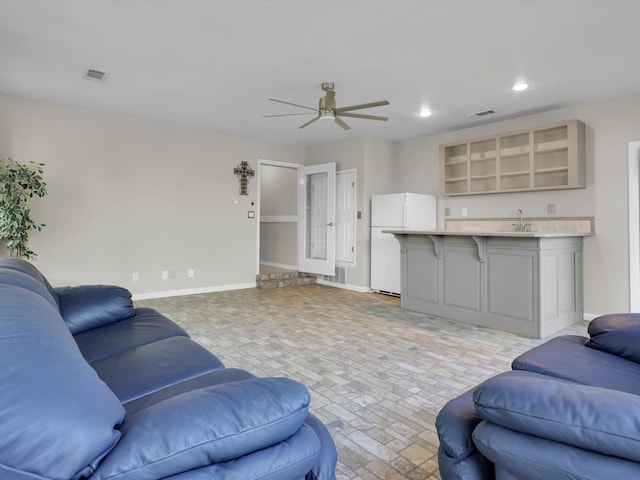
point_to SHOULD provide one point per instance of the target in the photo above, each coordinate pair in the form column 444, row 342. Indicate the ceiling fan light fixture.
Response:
column 327, row 116
column 520, row 86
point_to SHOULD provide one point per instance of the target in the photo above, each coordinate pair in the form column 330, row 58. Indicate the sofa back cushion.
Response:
column 13, row 272
column 57, row 418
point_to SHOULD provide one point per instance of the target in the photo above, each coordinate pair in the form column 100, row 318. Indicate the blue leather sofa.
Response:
column 569, row 409
column 91, row 387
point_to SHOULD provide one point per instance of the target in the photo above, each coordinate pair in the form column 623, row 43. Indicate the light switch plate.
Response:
column 251, row 214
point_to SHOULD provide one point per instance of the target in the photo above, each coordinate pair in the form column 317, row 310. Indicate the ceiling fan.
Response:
column 327, row 109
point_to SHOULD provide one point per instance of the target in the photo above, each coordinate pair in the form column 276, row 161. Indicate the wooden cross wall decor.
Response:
column 244, row 172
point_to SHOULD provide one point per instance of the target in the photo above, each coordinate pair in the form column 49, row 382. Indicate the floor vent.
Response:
column 340, row 276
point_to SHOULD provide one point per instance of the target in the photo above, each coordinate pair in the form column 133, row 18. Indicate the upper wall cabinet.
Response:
column 545, row 158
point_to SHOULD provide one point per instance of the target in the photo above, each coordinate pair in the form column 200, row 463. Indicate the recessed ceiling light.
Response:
column 425, row 112
column 520, row 86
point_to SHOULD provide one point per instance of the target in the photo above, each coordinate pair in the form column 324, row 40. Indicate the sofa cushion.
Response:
column 617, row 334
column 146, row 326
column 90, row 306
column 210, row 425
column 519, row 456
column 57, row 418
column 297, row 457
column 148, row 368
column 592, row 418
column 566, row 357
column 224, row 375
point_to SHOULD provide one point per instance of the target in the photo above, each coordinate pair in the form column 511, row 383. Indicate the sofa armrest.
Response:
column 91, row 306
column 455, row 424
column 206, row 426
column 591, row 418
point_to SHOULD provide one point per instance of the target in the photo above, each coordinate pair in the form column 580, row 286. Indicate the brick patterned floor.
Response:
column 378, row 375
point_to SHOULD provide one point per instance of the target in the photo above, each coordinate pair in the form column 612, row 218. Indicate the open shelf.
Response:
column 515, row 174
column 548, row 157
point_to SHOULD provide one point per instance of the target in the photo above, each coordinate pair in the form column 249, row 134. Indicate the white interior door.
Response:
column 316, row 219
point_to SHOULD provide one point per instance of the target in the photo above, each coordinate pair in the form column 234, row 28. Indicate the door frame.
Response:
column 634, row 226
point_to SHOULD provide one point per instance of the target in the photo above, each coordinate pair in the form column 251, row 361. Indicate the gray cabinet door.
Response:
column 512, row 284
column 422, row 270
column 462, row 276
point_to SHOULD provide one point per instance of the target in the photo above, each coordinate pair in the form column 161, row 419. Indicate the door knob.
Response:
column 330, row 224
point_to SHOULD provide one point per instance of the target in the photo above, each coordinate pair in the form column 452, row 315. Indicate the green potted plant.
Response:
column 18, row 184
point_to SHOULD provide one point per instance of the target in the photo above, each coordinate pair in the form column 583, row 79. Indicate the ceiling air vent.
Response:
column 481, row 114
column 91, row 74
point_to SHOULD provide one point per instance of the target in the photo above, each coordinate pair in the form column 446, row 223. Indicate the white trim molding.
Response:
column 634, row 226
column 191, row 291
column 279, row 219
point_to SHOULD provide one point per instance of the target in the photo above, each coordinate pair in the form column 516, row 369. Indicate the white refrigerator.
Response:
column 394, row 211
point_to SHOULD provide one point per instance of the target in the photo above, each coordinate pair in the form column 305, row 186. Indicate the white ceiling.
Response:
column 214, row 64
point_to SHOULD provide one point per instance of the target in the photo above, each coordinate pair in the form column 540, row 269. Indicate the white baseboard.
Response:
column 353, row 288
column 191, row 291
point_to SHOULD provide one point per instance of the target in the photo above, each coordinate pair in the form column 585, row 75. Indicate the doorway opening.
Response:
column 277, row 216
column 298, row 223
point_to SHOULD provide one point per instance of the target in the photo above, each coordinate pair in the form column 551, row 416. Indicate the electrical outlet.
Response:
column 464, row 211
column 447, row 212
column 165, row 275
column 136, row 277
column 191, row 273
column 551, row 209
column 172, row 274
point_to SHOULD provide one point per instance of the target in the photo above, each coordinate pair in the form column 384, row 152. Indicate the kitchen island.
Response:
column 528, row 283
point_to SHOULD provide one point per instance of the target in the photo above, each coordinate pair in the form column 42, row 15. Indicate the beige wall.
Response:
column 128, row 195
column 279, row 244
column 611, row 124
column 278, row 192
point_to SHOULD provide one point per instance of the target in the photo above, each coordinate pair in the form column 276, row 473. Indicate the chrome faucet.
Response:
column 521, row 227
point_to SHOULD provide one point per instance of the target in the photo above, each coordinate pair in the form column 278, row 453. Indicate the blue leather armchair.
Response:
column 569, row 409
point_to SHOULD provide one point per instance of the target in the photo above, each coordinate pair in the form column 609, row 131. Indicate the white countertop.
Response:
column 400, row 231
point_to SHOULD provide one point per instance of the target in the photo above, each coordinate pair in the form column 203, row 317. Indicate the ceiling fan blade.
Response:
column 310, row 122
column 340, row 122
column 288, row 114
column 368, row 117
column 361, row 106
column 294, row 104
